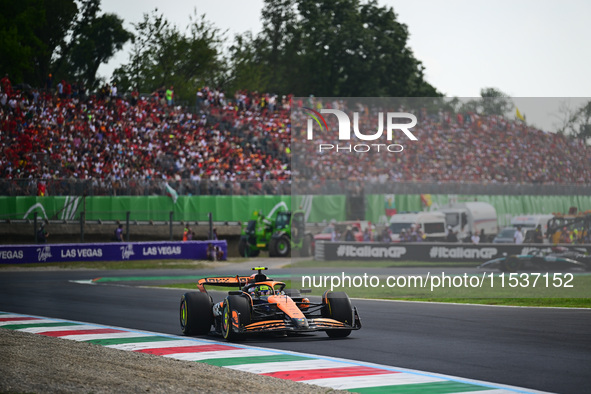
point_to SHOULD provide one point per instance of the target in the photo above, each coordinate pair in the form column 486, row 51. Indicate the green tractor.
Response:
column 279, row 235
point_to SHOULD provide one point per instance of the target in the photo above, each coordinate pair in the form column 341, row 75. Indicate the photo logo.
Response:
column 392, row 121
column 315, row 115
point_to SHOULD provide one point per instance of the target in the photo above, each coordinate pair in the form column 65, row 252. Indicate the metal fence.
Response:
column 188, row 187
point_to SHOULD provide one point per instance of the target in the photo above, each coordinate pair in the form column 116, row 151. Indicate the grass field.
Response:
column 376, row 264
column 539, row 297
column 494, row 291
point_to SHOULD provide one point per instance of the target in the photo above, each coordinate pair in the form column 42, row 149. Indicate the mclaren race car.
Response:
column 534, row 259
column 263, row 305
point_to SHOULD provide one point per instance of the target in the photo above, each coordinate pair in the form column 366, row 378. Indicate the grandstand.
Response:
column 73, row 144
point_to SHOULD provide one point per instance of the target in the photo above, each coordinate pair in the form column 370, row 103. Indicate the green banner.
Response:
column 158, row 208
column 240, row 208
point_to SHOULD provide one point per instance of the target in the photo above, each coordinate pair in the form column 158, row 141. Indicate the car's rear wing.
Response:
column 226, row 281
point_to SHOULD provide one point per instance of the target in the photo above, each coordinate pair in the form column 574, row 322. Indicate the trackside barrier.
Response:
column 424, row 251
column 114, row 251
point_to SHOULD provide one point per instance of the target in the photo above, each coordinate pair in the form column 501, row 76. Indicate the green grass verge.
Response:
column 546, row 297
column 377, row 264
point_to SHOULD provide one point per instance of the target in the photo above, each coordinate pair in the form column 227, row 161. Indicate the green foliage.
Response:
column 493, row 102
column 162, row 55
column 336, row 48
column 97, row 42
column 577, row 122
column 64, row 37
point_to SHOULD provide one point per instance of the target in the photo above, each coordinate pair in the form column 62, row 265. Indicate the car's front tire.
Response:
column 511, row 264
column 236, row 309
column 337, row 306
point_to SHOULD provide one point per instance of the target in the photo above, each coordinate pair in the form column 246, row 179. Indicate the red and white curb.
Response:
column 323, row 371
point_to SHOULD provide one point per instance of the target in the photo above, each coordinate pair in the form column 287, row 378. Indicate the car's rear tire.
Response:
column 196, row 314
column 511, row 264
column 337, row 306
column 239, row 305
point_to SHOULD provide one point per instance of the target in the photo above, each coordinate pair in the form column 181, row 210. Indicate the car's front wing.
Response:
column 313, row 324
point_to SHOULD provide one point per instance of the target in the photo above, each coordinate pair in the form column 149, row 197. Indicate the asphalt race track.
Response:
column 542, row 349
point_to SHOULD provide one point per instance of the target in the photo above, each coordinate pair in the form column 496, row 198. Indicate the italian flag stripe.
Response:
column 327, row 372
column 445, row 387
column 225, row 362
column 138, row 339
column 186, row 349
column 323, row 373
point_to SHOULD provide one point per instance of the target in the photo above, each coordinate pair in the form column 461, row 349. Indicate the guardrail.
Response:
column 188, row 187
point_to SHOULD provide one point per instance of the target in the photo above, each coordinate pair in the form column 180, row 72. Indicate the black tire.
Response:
column 240, row 305
column 511, row 264
column 281, row 246
column 337, row 306
column 196, row 314
column 307, row 246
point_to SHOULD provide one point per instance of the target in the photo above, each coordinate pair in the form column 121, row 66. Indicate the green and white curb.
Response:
column 323, row 371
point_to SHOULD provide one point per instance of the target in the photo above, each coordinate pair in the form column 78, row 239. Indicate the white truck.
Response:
column 432, row 224
column 528, row 223
column 467, row 218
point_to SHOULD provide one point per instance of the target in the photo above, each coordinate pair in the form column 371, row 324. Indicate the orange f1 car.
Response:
column 264, row 305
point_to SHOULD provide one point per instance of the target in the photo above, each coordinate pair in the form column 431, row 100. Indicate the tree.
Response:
column 248, row 71
column 65, row 37
column 577, row 122
column 336, row 48
column 495, row 102
column 97, row 43
column 18, row 42
column 163, row 55
column 31, row 33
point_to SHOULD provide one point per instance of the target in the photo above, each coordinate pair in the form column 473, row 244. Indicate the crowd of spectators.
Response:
column 108, row 144
column 71, row 142
column 461, row 148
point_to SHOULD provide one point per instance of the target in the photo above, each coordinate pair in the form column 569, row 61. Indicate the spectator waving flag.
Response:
column 518, row 114
column 170, row 192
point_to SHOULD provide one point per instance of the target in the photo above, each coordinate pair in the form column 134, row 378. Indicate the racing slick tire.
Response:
column 280, row 247
column 196, row 314
column 511, row 264
column 337, row 306
column 232, row 304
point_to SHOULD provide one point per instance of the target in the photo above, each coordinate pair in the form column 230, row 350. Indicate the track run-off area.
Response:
column 403, row 346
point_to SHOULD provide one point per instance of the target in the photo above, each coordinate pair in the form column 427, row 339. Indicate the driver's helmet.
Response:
column 261, row 290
